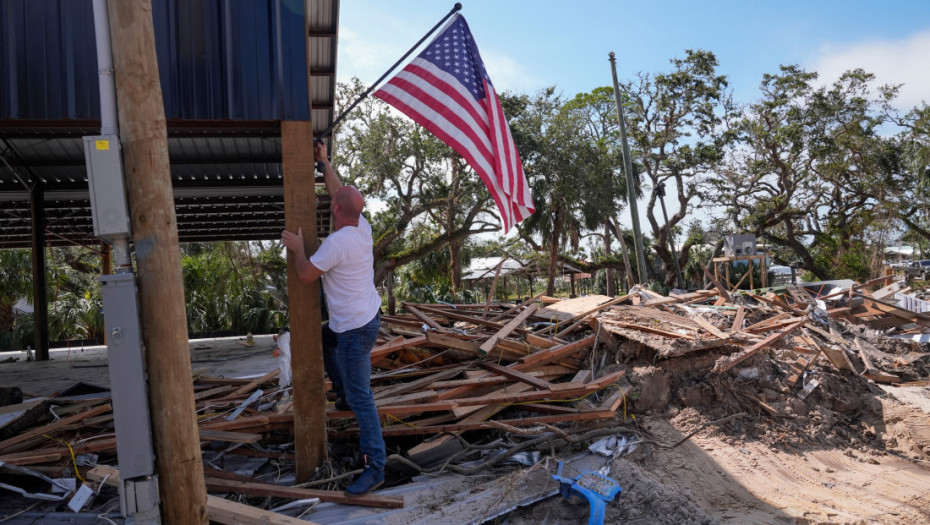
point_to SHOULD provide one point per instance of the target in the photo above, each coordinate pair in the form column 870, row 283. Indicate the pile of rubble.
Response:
column 469, row 388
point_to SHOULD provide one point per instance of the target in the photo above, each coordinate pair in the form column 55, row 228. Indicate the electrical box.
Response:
column 127, row 376
column 738, row 245
column 107, row 190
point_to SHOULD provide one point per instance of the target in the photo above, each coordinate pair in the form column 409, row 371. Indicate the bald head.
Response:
column 347, row 206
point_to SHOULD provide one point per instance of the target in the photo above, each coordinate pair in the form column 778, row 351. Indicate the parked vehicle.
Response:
column 919, row 269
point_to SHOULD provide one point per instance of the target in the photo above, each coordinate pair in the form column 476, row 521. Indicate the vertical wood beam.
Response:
column 304, row 301
column 106, row 259
column 39, row 293
column 144, row 137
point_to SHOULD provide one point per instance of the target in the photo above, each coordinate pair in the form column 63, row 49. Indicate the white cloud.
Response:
column 362, row 56
column 508, row 74
column 905, row 61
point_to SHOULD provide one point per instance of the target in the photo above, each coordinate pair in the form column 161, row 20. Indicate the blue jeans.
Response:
column 348, row 365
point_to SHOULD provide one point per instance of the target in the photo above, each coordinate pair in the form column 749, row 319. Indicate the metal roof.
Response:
column 230, row 73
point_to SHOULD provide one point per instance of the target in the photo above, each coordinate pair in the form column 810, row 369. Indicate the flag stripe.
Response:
column 446, row 90
column 429, row 119
column 457, row 116
column 433, row 119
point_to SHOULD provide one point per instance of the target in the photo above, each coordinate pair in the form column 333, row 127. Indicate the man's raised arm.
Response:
column 329, row 174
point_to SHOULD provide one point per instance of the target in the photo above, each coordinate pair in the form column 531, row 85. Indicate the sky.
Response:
column 531, row 45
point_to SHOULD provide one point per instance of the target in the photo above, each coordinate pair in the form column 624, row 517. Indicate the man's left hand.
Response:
column 293, row 241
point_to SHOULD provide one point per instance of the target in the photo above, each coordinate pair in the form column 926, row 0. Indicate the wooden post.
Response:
column 39, row 294
column 304, row 301
column 144, row 138
column 106, row 259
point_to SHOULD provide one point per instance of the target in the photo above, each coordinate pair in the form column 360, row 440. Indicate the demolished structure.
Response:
column 503, row 389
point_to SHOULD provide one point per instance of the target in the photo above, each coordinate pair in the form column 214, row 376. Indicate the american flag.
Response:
column 447, row 90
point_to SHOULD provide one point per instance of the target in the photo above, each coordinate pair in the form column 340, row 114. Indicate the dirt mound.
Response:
column 644, row 500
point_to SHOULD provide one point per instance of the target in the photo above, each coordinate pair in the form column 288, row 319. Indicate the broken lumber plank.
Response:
column 571, row 328
column 551, row 409
column 837, row 356
column 555, row 353
column 520, row 397
column 737, row 325
column 804, row 362
column 229, row 437
column 222, row 381
column 419, row 398
column 720, row 367
column 605, row 380
column 478, row 381
column 485, row 425
column 278, row 491
column 508, row 328
column 647, row 329
column 890, row 290
column 683, row 298
column 516, row 374
column 425, row 318
column 248, row 387
column 218, row 509
column 907, row 315
column 720, row 288
column 582, row 376
column 455, row 341
column 478, row 413
column 417, row 384
column 465, row 318
column 767, row 327
column 516, row 308
column 51, row 427
column 776, row 303
column 707, row 325
column 225, row 389
column 399, row 410
column 873, row 372
column 603, row 334
column 23, row 416
column 48, row 455
column 542, row 342
column 616, row 399
column 762, row 325
column 388, row 348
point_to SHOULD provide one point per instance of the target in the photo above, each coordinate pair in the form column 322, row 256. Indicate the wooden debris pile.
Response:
column 801, row 323
column 438, row 369
column 442, row 371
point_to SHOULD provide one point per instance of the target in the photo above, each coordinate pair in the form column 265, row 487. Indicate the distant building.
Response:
column 22, row 307
column 899, row 253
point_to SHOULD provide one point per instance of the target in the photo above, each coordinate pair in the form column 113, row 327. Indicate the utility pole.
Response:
column 144, row 138
column 628, row 171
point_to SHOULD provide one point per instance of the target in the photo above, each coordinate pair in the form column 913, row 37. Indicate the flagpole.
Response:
column 457, row 7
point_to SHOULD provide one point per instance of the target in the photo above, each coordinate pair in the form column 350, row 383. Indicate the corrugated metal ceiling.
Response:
column 230, row 72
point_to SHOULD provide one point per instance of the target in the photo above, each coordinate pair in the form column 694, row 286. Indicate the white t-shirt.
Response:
column 347, row 262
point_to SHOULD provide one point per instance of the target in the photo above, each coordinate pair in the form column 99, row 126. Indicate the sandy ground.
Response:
column 713, row 478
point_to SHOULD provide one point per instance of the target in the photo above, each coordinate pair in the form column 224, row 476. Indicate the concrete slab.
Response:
column 226, row 357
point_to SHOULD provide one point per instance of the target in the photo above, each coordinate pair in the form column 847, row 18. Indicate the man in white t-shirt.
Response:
column 346, row 264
